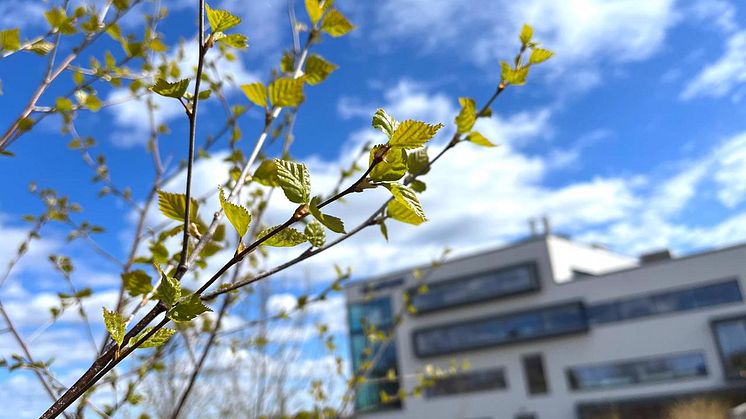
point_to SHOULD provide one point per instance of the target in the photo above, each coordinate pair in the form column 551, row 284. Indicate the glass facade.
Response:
column 731, row 340
column 723, row 292
column 536, row 379
column 488, row 379
column 642, row 371
column 475, row 288
column 362, row 316
column 499, row 330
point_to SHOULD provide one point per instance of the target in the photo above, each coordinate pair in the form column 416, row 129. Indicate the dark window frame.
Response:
column 501, row 371
column 727, row 373
column 530, row 390
column 533, row 268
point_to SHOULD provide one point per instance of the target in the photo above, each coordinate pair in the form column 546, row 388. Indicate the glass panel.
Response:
column 636, row 307
column 603, row 313
column 675, row 301
column 376, row 312
column 722, row 293
column 533, row 367
column 731, row 336
column 469, row 382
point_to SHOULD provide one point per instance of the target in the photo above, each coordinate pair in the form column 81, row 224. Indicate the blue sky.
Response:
column 633, row 136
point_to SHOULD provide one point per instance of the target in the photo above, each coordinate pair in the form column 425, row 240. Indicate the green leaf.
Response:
column 336, row 24
column 160, row 337
column 188, row 309
column 480, row 139
column 221, row 20
column 384, row 122
column 314, row 10
column 25, row 124
column 173, row 206
column 115, row 325
column 539, row 55
column 286, row 92
column 418, row 162
column 408, row 199
column 159, row 251
column 63, row 104
column 266, row 173
column 10, row 39
column 237, row 215
column 235, row 40
column 286, row 63
column 391, row 168
column 467, row 116
column 175, row 89
column 42, row 47
column 294, row 180
column 169, row 291
column 137, row 282
column 318, row 69
column 399, row 212
column 205, row 94
column 513, row 76
column 287, row 237
column 384, row 229
column 256, row 93
column 331, row 222
column 418, row 186
column 413, row 134
column 315, row 234
column 59, row 20
column 527, row 32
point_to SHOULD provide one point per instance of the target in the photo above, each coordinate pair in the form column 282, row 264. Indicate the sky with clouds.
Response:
column 633, row 135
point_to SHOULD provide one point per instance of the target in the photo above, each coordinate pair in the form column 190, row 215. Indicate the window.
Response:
column 641, row 371
column 485, row 286
column 731, row 340
column 500, row 330
column 723, row 292
column 536, row 380
column 491, row 379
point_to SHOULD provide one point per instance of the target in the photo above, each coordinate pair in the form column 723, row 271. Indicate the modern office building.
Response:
column 554, row 329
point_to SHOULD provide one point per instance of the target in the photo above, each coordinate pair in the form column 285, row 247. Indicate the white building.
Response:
column 554, row 329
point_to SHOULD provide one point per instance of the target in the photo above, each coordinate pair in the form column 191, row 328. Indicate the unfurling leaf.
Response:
column 336, row 24
column 315, row 234
column 175, row 89
column 238, row 216
column 160, row 337
column 169, row 291
column 317, row 69
column 418, row 186
column 115, row 325
column 136, row 282
column 188, row 309
column 42, row 47
column 294, row 180
column 399, row 212
column 10, row 39
column 391, row 168
column 384, row 122
column 287, row 237
column 221, row 20
column 314, row 10
column 159, row 252
column 266, row 173
column 286, row 92
column 235, row 40
column 256, row 93
column 418, row 162
column 413, row 134
column 331, row 222
column 173, row 206
column 467, row 116
column 513, row 76
column 527, row 32
column 480, row 139
column 384, row 229
column 539, row 55
column 408, row 199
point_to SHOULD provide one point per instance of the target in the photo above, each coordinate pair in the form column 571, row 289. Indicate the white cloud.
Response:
column 724, row 76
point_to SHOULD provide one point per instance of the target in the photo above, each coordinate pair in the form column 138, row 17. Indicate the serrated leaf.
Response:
column 173, row 206
column 136, row 282
column 527, row 32
column 399, row 212
column 115, row 325
column 266, row 173
column 408, row 198
column 539, row 55
column 159, row 252
column 169, row 291
column 175, row 89
column 41, row 47
column 235, row 40
column 413, row 134
column 10, row 39
column 238, row 216
column 286, row 92
column 188, row 309
column 418, row 162
column 160, row 337
column 256, row 93
column 384, row 122
column 331, row 222
column 318, row 69
column 336, row 24
column 314, row 10
column 391, row 168
column 480, row 139
column 287, row 237
column 315, row 234
column 467, row 116
column 221, row 20
column 294, row 180
column 513, row 76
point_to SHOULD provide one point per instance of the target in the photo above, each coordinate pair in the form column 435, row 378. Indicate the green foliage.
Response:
column 384, row 122
column 59, row 21
column 516, row 76
column 314, row 10
column 238, row 216
column 221, row 20
column 418, row 162
column 287, row 237
column 413, row 134
column 315, row 234
column 159, row 252
column 539, row 55
column 467, row 116
column 174, row 90
column 169, row 291
column 393, row 166
column 418, row 186
column 256, row 93
column 173, row 206
column 266, row 173
column 160, row 337
column 10, row 39
column 318, row 69
column 137, row 282
column 286, row 92
column 294, row 180
column 115, row 325
column 234, row 40
column 336, row 24
column 408, row 199
column 480, row 139
column 527, row 32
column 63, row 104
column 331, row 222
column 187, row 309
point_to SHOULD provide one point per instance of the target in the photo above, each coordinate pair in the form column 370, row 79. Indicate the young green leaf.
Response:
column 266, row 173
column 256, row 93
column 294, row 180
column 539, row 55
column 221, row 20
column 527, row 32
column 384, row 229
column 315, row 234
column 480, row 139
column 160, row 337
column 331, row 222
column 115, row 325
column 418, row 186
column 234, row 40
column 413, row 134
column 384, row 122
column 10, row 39
column 173, row 206
column 418, row 162
column 40, row 47
column 159, row 252
column 336, row 24
column 408, row 199
column 391, row 168
column 314, row 10
column 188, row 309
column 467, row 116
column 399, row 212
column 136, row 282
column 238, row 216
column 175, row 89
column 286, row 92
column 63, row 104
column 169, row 291
column 513, row 76
column 287, row 237
column 317, row 69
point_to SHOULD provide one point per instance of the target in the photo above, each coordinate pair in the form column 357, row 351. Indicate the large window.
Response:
column 474, row 288
column 723, row 292
column 536, row 379
column 731, row 339
column 640, row 371
column 499, row 330
column 489, row 379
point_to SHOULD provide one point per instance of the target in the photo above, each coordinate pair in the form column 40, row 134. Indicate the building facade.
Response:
column 552, row 329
